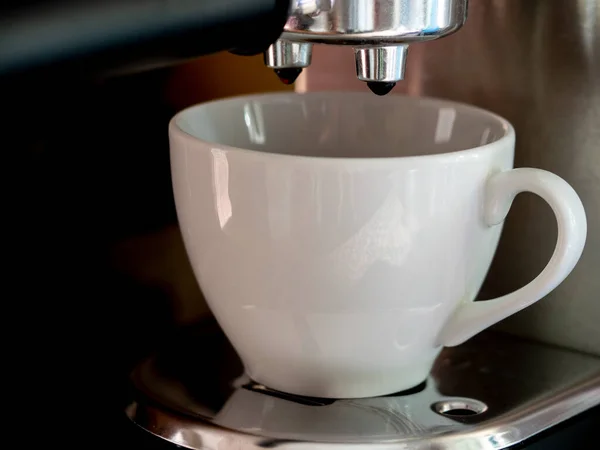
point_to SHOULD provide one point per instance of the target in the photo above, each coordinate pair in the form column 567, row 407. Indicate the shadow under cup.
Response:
column 334, row 234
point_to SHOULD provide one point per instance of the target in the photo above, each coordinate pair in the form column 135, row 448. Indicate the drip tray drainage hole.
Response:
column 459, row 408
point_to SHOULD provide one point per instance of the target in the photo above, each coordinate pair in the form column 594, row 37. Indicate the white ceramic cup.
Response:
column 340, row 239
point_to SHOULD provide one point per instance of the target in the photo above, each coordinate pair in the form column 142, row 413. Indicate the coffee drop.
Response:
column 288, row 75
column 380, row 87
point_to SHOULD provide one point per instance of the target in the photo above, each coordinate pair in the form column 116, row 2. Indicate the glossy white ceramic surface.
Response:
column 340, row 238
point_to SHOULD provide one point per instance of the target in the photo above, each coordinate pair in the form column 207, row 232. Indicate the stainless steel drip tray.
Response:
column 492, row 392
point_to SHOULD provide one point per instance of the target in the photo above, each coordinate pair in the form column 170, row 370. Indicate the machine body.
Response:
column 99, row 37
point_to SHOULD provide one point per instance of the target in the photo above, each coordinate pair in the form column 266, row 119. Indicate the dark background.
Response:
column 87, row 174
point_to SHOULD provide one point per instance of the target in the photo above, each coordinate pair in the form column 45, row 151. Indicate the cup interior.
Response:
column 342, row 125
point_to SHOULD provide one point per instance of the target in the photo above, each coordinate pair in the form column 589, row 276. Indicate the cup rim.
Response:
column 509, row 132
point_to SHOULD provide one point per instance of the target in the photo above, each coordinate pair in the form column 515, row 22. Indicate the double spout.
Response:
column 380, row 32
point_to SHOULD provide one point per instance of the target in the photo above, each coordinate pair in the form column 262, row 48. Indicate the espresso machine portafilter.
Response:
column 100, row 36
column 380, row 31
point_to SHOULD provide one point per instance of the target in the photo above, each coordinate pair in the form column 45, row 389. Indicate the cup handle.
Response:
column 472, row 317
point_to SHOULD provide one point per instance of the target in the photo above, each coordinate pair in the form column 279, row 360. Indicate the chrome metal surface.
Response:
column 537, row 63
column 385, row 64
column 285, row 54
column 378, row 22
column 307, row 7
column 195, row 395
column 380, row 28
column 462, row 407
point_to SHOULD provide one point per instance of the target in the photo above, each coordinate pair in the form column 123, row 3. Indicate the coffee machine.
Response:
column 187, row 389
column 105, row 36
